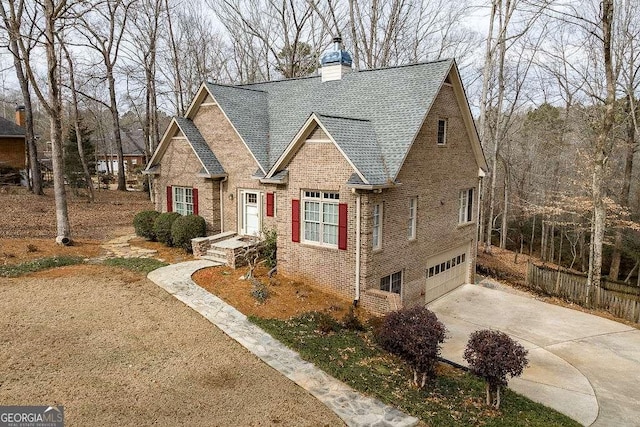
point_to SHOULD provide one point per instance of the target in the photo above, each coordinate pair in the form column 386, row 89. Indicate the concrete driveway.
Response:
column 582, row 365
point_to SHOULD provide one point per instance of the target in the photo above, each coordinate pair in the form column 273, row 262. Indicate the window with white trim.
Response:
column 320, row 217
column 442, row 131
column 377, row 226
column 465, row 211
column 183, row 200
column 413, row 207
column 392, row 283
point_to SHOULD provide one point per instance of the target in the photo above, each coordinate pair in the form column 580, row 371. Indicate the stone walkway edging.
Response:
column 352, row 407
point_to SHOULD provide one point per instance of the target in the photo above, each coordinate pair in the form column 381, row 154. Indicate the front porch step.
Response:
column 214, row 259
column 216, row 255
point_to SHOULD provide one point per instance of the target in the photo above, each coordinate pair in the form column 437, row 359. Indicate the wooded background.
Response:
column 553, row 85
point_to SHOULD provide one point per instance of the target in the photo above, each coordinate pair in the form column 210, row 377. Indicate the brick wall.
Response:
column 236, row 161
column 180, row 167
column 435, row 175
column 317, row 166
column 12, row 152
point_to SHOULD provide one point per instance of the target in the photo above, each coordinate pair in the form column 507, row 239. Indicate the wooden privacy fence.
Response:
column 617, row 298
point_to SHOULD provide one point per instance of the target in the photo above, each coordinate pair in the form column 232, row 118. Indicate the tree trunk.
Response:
column 485, row 233
column 176, row 65
column 12, row 24
column 560, row 248
column 115, row 117
column 552, row 241
column 614, row 269
column 533, row 236
column 505, row 226
column 601, row 153
column 55, row 120
column 543, row 241
column 76, row 124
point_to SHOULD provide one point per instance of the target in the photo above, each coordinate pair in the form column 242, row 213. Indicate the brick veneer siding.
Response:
column 12, row 152
column 435, row 175
column 236, row 160
column 180, row 167
column 317, row 166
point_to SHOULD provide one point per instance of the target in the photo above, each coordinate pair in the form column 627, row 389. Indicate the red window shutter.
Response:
column 269, row 204
column 194, row 191
column 295, row 220
column 169, row 199
column 342, row 226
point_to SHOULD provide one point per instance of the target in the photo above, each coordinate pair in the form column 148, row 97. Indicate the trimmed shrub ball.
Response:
column 162, row 227
column 143, row 223
column 186, row 228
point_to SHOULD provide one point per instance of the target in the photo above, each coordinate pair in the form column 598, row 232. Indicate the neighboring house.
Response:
column 370, row 178
column 133, row 153
column 13, row 147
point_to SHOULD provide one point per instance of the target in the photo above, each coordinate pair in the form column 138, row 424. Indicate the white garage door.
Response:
column 446, row 271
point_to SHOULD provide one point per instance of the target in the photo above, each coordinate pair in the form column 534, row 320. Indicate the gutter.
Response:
column 212, row 176
column 371, row 187
column 358, row 248
column 222, row 204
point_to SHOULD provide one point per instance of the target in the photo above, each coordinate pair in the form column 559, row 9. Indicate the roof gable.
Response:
column 181, row 127
column 247, row 111
column 9, row 128
column 394, row 100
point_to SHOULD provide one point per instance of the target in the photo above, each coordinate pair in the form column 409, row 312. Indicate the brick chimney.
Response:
column 20, row 115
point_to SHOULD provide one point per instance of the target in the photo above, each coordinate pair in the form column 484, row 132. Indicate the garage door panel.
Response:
column 446, row 271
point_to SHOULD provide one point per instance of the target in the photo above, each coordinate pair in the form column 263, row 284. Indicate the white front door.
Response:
column 251, row 213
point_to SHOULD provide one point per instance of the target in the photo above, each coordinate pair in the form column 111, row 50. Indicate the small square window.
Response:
column 392, row 283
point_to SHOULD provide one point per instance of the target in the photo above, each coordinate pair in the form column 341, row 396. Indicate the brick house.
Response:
column 13, row 146
column 369, row 177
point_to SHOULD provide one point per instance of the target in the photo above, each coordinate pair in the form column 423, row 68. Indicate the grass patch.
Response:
column 455, row 398
column 38, row 265
column 139, row 265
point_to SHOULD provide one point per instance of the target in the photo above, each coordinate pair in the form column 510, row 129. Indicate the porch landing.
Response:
column 226, row 248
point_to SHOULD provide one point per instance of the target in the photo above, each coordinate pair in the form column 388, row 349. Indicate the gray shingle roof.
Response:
column 209, row 161
column 248, row 111
column 9, row 128
column 357, row 139
column 373, row 115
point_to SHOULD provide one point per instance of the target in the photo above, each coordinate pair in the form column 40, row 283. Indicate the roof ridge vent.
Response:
column 336, row 62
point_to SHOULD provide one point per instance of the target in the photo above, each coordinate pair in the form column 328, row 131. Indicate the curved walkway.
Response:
column 584, row 366
column 353, row 408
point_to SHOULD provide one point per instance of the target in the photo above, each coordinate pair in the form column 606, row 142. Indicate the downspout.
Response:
column 358, row 241
column 222, row 205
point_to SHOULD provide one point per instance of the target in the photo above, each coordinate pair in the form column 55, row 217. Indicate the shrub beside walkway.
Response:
column 352, row 407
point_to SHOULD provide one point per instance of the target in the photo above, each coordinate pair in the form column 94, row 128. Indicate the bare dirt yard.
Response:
column 111, row 346
column 28, row 222
column 115, row 349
